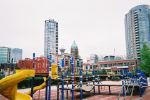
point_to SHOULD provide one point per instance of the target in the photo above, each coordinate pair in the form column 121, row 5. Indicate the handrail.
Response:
column 121, row 90
column 138, row 79
column 132, row 90
column 126, row 90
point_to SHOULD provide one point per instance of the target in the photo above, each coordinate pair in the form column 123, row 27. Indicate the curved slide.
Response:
column 8, row 85
column 43, row 85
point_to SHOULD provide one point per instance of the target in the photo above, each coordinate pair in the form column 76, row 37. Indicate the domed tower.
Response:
column 74, row 50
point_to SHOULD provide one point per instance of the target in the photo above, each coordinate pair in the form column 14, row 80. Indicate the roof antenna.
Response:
column 114, row 52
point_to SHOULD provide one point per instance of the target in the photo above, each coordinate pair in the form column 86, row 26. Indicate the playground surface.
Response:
column 40, row 95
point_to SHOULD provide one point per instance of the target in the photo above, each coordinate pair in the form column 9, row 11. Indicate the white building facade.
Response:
column 50, row 38
column 16, row 55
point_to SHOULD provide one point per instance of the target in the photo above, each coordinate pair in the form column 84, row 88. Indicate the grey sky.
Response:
column 97, row 26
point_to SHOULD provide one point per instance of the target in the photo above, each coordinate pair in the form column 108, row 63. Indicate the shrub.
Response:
column 27, row 82
column 115, row 78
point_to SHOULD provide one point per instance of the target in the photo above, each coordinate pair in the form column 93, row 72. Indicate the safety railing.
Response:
column 139, row 79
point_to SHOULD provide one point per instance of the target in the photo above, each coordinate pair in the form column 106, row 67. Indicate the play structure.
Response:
column 8, row 85
column 36, row 67
column 40, row 67
column 132, row 81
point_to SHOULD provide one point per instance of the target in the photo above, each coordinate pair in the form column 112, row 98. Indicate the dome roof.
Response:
column 74, row 45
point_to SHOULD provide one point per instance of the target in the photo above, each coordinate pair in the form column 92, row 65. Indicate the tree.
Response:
column 145, row 59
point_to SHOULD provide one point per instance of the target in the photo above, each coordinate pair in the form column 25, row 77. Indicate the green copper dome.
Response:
column 74, row 45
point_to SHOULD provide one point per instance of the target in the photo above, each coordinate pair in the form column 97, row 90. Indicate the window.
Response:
column 90, row 67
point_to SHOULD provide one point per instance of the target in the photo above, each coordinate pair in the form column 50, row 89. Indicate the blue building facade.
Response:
column 137, row 30
column 5, row 55
column 10, row 55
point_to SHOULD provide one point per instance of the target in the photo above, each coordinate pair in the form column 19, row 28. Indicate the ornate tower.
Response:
column 74, row 50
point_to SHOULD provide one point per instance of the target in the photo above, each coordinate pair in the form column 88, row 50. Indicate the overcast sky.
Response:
column 97, row 26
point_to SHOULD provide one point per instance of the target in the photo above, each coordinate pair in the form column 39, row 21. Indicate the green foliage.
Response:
column 17, row 67
column 88, row 73
column 115, row 78
column 27, row 82
column 104, row 71
column 1, row 75
column 112, row 73
column 100, row 72
column 145, row 59
column 133, row 72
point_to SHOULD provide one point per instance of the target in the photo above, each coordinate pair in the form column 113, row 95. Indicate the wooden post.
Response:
column 98, row 89
column 58, row 91
column 109, row 89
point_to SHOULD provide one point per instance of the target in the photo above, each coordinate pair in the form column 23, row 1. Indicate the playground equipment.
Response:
column 80, row 87
column 39, row 67
column 36, row 67
column 138, row 80
column 42, row 86
column 54, row 71
column 8, row 85
column 77, row 83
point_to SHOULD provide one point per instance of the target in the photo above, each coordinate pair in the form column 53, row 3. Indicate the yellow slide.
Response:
column 53, row 74
column 8, row 85
column 43, row 85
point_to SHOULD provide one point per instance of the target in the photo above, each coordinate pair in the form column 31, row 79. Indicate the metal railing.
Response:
column 139, row 80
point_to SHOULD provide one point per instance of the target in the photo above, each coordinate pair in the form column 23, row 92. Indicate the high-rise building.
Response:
column 5, row 55
column 50, row 37
column 137, row 29
column 10, row 55
column 16, row 54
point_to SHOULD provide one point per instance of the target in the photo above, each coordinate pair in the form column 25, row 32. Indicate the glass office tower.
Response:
column 5, row 55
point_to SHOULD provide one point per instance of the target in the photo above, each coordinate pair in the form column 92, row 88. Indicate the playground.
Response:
column 69, row 87
column 104, row 96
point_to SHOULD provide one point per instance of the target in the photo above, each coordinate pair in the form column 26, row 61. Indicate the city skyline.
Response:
column 97, row 26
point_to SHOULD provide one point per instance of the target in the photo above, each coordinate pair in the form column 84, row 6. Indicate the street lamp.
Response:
column 62, row 51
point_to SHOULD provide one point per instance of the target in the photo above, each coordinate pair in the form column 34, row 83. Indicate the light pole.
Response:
column 62, row 50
